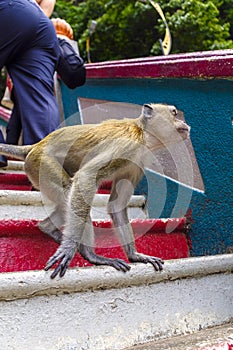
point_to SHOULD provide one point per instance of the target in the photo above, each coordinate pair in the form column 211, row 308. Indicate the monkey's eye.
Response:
column 147, row 105
column 173, row 111
column 147, row 110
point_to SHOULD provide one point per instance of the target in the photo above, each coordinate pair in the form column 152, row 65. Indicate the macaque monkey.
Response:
column 69, row 164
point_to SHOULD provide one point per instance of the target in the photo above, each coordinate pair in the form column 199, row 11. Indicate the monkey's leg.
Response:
column 54, row 183
column 52, row 224
column 117, row 207
column 78, row 232
column 86, row 249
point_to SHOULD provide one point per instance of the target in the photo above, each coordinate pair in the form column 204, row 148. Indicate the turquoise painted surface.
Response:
column 3, row 123
column 208, row 108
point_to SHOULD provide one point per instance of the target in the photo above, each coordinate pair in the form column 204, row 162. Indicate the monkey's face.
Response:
column 163, row 125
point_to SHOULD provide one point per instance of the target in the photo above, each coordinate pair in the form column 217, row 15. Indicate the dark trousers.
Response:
column 3, row 160
column 29, row 50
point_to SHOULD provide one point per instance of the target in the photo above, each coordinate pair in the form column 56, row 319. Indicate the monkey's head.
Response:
column 162, row 126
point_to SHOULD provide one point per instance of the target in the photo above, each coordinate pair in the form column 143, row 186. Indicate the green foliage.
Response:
column 226, row 13
column 127, row 29
column 195, row 26
column 121, row 32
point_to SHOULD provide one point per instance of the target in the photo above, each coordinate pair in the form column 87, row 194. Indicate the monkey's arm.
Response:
column 117, row 207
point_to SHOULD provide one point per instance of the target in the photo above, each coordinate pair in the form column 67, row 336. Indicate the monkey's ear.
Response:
column 147, row 110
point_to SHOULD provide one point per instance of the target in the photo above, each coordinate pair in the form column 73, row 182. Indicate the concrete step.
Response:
column 214, row 338
column 99, row 308
column 17, row 201
column 15, row 166
column 21, row 210
column 31, row 205
column 13, row 177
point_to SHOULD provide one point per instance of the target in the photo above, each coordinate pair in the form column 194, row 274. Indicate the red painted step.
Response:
column 24, row 247
column 105, row 187
column 20, row 182
column 11, row 181
column 221, row 346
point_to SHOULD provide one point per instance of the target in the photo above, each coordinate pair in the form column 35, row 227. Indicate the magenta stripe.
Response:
column 198, row 64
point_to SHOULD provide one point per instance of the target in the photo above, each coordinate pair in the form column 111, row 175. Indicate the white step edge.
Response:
column 15, row 285
column 14, row 165
column 99, row 308
column 35, row 198
column 30, row 204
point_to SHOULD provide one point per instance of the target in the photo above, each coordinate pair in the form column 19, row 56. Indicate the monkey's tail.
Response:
column 18, row 152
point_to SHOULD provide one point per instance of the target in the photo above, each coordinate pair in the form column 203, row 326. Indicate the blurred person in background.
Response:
column 30, row 51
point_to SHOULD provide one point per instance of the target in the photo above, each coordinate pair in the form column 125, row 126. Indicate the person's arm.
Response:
column 47, row 6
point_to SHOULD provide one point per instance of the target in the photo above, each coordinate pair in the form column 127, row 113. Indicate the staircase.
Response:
column 24, row 247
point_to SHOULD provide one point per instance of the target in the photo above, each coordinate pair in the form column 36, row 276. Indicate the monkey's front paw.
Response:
column 64, row 254
column 156, row 262
column 119, row 264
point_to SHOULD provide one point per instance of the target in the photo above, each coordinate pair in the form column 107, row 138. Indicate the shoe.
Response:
column 3, row 161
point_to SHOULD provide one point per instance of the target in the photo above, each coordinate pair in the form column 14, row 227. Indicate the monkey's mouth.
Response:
column 183, row 130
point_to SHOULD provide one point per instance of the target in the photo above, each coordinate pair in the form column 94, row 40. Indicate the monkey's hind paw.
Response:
column 64, row 256
column 51, row 231
column 156, row 262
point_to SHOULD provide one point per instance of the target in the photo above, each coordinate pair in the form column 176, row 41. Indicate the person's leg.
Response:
column 14, row 126
column 36, row 103
column 3, row 160
column 31, row 65
column 32, row 74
